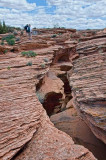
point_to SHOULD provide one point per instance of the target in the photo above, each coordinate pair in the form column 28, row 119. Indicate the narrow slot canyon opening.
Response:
column 64, row 116
column 52, row 103
column 63, row 58
column 67, row 88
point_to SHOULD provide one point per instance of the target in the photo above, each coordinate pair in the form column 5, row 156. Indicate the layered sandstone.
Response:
column 88, row 82
column 69, row 122
column 24, row 124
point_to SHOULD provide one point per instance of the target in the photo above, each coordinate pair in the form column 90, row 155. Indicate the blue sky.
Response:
column 79, row 14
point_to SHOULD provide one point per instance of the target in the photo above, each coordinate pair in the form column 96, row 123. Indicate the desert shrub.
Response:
column 8, row 37
column 2, row 42
column 15, row 33
column 43, row 66
column 5, row 51
column 17, row 39
column 84, row 34
column 29, row 63
column 8, row 67
column 79, row 40
column 59, row 33
column 11, row 42
column 46, row 59
column 54, row 36
column 29, row 54
column 94, row 32
column 71, row 36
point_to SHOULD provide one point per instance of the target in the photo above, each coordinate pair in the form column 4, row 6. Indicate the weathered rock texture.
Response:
column 50, row 92
column 88, row 82
column 22, row 117
column 69, row 122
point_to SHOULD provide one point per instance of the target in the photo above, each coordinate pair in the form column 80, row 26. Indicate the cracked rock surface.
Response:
column 26, row 132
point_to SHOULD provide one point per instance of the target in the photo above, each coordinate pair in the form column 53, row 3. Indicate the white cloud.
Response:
column 17, row 4
column 77, row 14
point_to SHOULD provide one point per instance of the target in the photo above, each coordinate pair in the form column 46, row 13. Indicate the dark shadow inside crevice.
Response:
column 63, row 58
column 67, row 88
column 51, row 101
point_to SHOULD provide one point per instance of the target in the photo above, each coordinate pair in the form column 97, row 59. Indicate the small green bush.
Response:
column 17, row 39
column 29, row 54
column 8, row 67
column 11, row 42
column 46, row 59
column 8, row 37
column 5, row 51
column 2, row 42
column 15, row 33
column 54, row 36
column 29, row 63
column 94, row 32
column 84, row 34
column 79, row 40
column 43, row 66
column 59, row 33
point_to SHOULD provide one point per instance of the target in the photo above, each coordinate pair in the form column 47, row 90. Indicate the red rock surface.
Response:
column 24, row 123
column 25, row 128
column 69, row 122
column 88, row 82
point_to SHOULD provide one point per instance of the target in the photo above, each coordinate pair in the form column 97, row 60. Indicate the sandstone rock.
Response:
column 64, row 54
column 87, row 80
column 65, row 66
column 5, row 48
column 70, row 104
column 92, row 46
column 51, row 90
column 32, row 45
column 22, row 116
column 50, row 143
column 69, row 122
column 25, row 129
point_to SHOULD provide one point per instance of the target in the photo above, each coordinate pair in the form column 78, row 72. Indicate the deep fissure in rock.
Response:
column 54, row 104
column 51, row 101
column 67, row 88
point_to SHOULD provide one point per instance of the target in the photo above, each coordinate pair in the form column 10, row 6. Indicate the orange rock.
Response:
column 87, row 79
column 24, row 124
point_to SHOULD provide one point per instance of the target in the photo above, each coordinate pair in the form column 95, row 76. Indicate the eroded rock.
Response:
column 69, row 122
column 26, row 131
column 23, row 119
column 88, row 87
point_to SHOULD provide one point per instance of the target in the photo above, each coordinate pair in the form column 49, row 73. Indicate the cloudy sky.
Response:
column 79, row 14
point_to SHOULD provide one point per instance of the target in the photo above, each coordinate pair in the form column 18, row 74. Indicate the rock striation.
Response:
column 69, row 122
column 25, row 129
column 88, row 82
